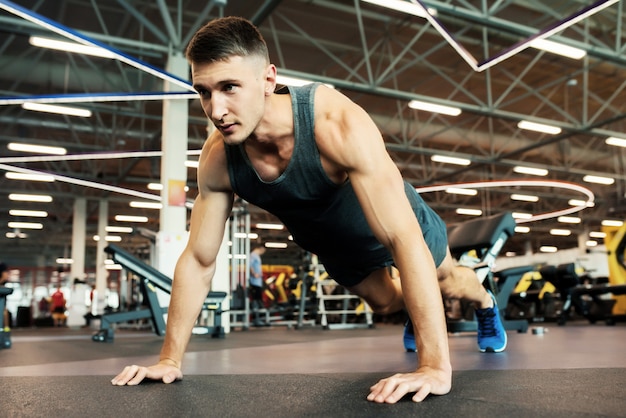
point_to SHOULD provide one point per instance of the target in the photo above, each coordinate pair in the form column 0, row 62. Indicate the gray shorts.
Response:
column 433, row 229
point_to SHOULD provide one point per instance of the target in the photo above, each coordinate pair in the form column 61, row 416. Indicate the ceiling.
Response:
column 378, row 57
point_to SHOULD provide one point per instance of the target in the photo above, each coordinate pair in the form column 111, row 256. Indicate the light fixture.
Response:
column 12, row 235
column 612, row 222
column 578, row 202
column 70, row 47
column 466, row 192
column 243, row 235
column 28, row 177
column 569, row 219
column 538, row 127
column 108, row 238
column 597, row 234
column 468, row 211
column 60, row 110
column 129, row 218
column 25, row 225
column 450, row 160
column 618, row 142
column 530, row 170
column 146, row 205
column 591, row 243
column 29, row 213
column 155, row 186
column 276, row 245
column 113, row 267
column 434, row 108
column 277, row 227
column 558, row 48
column 119, row 229
column 192, row 164
column 286, row 80
column 599, row 180
column 521, row 215
column 30, row 197
column 548, row 249
column 522, row 229
column 560, row 232
column 64, row 261
column 38, row 149
column 402, row 6
column 524, row 197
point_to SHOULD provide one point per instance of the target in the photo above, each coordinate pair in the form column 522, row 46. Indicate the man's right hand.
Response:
column 133, row 375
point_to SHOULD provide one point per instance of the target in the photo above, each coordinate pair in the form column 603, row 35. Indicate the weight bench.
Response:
column 485, row 237
column 5, row 335
column 150, row 280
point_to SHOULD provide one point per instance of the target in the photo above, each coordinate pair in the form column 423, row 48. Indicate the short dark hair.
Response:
column 225, row 37
column 3, row 268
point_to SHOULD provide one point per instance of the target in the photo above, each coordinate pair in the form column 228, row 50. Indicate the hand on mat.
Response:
column 424, row 382
column 133, row 375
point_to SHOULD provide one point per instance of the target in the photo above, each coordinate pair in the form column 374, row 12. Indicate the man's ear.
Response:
column 270, row 79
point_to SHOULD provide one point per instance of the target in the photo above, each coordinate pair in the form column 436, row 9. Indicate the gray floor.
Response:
column 575, row 370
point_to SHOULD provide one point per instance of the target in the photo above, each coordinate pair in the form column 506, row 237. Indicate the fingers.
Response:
column 131, row 375
column 394, row 388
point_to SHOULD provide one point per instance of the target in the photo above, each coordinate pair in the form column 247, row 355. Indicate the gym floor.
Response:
column 577, row 370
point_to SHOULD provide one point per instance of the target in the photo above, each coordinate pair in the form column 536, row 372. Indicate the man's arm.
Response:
column 194, row 270
column 351, row 140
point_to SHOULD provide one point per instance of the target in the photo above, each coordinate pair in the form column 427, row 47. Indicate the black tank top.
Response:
column 323, row 217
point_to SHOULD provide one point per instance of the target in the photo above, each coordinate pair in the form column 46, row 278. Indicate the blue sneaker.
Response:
column 409, row 337
column 491, row 332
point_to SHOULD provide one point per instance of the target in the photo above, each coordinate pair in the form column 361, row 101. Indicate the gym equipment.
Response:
column 482, row 239
column 5, row 332
column 150, row 279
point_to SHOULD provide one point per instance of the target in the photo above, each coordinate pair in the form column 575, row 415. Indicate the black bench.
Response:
column 150, row 280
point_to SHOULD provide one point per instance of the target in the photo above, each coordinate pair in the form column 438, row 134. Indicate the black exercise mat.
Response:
column 511, row 393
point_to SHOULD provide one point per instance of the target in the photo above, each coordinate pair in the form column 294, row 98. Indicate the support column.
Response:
column 173, row 217
column 79, row 226
column 101, row 271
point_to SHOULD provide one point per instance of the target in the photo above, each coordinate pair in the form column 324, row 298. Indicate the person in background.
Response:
column 4, row 278
column 57, row 307
column 257, row 283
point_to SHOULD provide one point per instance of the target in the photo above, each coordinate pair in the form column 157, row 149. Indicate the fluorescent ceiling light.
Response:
column 129, row 218
column 243, row 235
column 146, row 205
column 524, row 197
column 25, row 225
column 467, row 211
column 618, row 142
column 548, row 249
column 558, row 48
column 38, row 149
column 61, row 110
column 435, row 108
column 597, row 234
column 108, row 238
column 569, row 219
column 12, row 235
column 192, row 164
column 402, row 6
column 599, row 180
column 155, row 186
column 530, row 170
column 276, row 245
column 522, row 229
column 578, row 202
column 70, row 47
column 539, row 127
column 64, row 261
column 296, row 82
column 466, row 192
column 450, row 160
column 30, row 213
column 278, row 227
column 28, row 177
column 591, row 243
column 119, row 229
column 612, row 222
column 521, row 215
column 113, row 267
column 30, row 197
column 561, row 232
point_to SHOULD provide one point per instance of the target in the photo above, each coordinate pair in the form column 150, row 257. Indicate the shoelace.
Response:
column 487, row 326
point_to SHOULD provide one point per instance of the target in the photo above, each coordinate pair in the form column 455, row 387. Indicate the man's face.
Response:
column 233, row 93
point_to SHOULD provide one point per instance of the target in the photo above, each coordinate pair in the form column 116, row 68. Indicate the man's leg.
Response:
column 459, row 282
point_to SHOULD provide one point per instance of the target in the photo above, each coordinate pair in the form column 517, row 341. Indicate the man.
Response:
column 318, row 162
column 4, row 278
column 257, row 282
